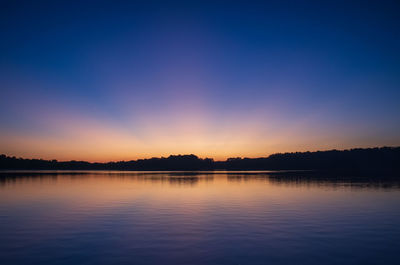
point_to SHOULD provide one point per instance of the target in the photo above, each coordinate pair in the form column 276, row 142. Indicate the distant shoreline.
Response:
column 383, row 160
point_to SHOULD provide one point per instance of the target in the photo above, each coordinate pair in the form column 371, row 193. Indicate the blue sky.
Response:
column 111, row 80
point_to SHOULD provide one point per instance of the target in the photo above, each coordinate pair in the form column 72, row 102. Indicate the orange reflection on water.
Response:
column 185, row 192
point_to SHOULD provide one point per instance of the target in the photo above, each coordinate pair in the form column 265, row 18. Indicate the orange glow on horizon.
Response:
column 77, row 137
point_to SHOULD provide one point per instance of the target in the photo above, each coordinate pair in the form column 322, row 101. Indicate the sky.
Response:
column 121, row 80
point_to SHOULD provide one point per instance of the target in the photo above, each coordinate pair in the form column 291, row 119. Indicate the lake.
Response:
column 98, row 217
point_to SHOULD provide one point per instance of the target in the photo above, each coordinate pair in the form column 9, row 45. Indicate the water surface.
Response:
column 196, row 218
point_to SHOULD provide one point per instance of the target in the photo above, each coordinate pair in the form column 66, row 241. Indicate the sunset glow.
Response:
column 125, row 82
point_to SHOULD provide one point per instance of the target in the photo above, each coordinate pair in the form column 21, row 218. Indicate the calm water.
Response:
column 196, row 218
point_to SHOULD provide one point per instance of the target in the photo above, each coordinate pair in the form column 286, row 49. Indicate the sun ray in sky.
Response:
column 124, row 81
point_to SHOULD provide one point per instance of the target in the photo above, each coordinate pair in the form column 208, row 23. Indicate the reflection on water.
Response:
column 97, row 217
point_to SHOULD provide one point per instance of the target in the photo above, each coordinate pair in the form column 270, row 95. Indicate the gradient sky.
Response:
column 98, row 80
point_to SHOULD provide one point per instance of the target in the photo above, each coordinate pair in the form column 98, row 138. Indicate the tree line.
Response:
column 379, row 160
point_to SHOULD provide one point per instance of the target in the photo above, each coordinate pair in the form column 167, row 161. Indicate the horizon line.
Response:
column 176, row 155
